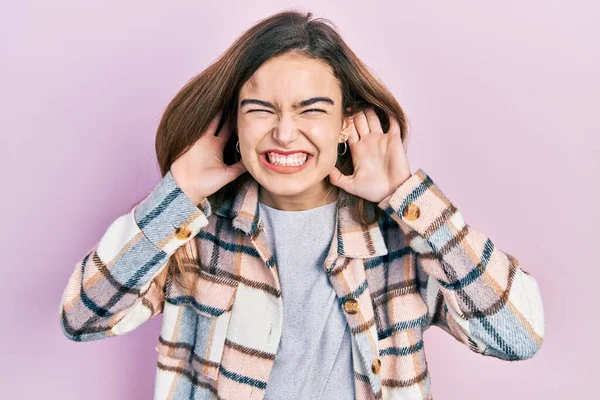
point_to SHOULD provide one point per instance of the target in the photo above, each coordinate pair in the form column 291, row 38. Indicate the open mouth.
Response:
column 287, row 161
column 285, row 164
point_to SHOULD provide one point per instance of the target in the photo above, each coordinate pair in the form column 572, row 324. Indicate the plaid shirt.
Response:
column 418, row 265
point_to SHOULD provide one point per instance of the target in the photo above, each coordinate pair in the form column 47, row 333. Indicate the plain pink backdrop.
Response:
column 502, row 101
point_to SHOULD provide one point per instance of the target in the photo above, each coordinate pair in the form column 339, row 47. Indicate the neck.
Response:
column 316, row 196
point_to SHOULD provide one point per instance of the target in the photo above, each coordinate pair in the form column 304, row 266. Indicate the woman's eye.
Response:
column 315, row 109
column 311, row 110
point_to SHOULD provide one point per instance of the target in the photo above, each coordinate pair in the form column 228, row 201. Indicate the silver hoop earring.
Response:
column 237, row 147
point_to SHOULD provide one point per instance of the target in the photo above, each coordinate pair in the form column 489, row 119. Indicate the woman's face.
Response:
column 291, row 104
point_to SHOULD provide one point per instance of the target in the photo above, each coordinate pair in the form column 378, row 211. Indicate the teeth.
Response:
column 289, row 161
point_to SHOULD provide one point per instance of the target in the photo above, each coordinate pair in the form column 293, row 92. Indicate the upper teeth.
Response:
column 290, row 160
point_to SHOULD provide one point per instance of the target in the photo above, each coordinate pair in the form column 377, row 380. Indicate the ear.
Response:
column 346, row 125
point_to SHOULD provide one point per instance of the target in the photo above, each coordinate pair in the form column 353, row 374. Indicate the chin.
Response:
column 285, row 186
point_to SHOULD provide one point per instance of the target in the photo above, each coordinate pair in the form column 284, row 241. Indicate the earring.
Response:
column 345, row 146
column 237, row 147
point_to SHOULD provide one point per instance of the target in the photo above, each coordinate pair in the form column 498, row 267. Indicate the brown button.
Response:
column 376, row 366
column 182, row 233
column 411, row 212
column 351, row 306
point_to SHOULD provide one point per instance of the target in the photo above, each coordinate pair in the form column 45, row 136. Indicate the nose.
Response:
column 285, row 132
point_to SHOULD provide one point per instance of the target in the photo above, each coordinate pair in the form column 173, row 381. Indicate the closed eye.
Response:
column 312, row 109
column 315, row 109
column 259, row 110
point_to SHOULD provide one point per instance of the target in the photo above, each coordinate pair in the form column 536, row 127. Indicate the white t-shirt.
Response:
column 314, row 358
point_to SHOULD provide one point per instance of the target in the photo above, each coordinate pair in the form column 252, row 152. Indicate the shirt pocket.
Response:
column 194, row 336
column 400, row 315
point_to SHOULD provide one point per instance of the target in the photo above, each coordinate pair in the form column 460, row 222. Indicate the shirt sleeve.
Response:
column 474, row 291
column 113, row 289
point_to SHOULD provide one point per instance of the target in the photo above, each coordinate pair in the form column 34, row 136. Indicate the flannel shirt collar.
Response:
column 354, row 240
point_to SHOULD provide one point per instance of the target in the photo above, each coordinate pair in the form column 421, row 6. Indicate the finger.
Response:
column 394, row 125
column 373, row 121
column 340, row 180
column 361, row 124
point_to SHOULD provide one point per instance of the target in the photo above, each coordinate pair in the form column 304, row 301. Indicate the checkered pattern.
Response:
column 220, row 340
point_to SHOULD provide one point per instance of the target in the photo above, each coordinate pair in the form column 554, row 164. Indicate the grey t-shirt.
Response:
column 314, row 358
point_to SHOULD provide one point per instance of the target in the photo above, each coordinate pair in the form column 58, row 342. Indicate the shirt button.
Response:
column 411, row 212
column 182, row 233
column 351, row 306
column 376, row 366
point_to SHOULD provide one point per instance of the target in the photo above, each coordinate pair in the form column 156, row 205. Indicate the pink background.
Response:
column 502, row 99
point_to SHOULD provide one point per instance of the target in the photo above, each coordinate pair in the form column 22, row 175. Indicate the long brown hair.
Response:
column 217, row 88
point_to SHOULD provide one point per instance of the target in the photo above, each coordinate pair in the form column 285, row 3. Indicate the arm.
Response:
column 474, row 291
column 113, row 288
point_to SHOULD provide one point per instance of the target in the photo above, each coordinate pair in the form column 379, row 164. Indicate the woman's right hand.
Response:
column 200, row 171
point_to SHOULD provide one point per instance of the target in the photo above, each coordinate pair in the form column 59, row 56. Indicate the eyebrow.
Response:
column 301, row 104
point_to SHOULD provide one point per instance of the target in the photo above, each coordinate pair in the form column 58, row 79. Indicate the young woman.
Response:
column 289, row 247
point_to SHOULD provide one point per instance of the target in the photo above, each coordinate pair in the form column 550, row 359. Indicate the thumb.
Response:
column 340, row 180
column 236, row 170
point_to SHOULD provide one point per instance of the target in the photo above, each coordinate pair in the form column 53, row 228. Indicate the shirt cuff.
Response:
column 419, row 204
column 168, row 217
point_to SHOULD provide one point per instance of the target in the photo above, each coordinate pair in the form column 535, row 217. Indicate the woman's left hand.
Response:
column 380, row 162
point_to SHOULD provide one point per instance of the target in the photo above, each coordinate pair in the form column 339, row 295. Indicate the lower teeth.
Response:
column 286, row 165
